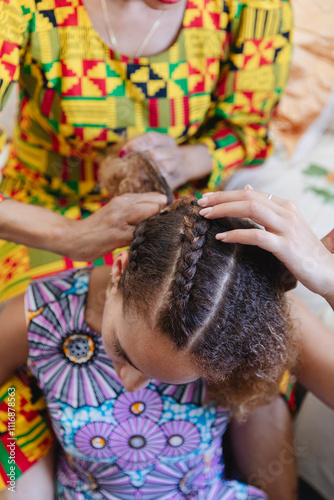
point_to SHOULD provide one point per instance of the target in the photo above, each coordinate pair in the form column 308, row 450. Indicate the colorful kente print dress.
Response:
column 159, row 443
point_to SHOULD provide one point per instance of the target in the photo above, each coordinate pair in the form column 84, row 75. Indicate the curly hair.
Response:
column 221, row 302
column 135, row 173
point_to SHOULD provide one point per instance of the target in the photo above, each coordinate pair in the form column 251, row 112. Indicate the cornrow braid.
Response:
column 193, row 237
column 138, row 240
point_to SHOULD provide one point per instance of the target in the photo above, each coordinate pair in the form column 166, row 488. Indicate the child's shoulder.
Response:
column 55, row 288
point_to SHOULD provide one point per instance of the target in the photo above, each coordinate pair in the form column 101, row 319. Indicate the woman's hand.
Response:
column 112, row 226
column 178, row 164
column 288, row 236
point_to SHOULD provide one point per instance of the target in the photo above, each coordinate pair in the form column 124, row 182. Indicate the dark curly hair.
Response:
column 223, row 303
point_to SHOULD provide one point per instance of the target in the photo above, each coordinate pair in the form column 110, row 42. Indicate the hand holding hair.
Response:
column 287, row 235
column 177, row 163
column 111, row 227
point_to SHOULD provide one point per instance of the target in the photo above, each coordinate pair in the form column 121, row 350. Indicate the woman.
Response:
column 181, row 308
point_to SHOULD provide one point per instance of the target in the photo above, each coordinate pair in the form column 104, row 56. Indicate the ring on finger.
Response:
column 269, row 196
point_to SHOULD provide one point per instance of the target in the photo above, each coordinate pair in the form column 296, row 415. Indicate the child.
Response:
column 130, row 407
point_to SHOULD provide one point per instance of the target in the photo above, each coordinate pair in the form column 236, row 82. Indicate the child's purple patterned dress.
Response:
column 160, row 443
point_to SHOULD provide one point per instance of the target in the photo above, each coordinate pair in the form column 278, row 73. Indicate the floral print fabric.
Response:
column 160, row 442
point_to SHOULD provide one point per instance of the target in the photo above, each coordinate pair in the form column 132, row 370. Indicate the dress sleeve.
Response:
column 14, row 32
column 252, row 78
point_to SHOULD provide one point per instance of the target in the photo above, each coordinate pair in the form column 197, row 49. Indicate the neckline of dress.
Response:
column 129, row 59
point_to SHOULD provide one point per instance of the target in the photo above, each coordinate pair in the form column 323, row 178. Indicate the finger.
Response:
column 328, row 241
column 163, row 155
column 143, row 211
column 137, row 198
column 212, row 199
column 149, row 141
column 267, row 216
column 255, row 237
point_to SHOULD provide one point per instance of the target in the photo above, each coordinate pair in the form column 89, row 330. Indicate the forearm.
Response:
column 315, row 367
column 265, row 439
column 34, row 226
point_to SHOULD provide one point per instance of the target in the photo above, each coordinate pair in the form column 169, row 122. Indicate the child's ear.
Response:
column 118, row 266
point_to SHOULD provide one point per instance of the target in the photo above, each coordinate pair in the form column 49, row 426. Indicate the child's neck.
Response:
column 98, row 282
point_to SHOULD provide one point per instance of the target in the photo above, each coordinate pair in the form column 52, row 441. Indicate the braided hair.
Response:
column 223, row 303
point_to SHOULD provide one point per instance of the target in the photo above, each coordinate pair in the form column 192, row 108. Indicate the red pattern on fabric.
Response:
column 65, row 3
column 215, row 19
column 7, row 47
column 186, row 110
column 11, row 68
column 172, row 112
column 46, row 103
column 153, row 113
column 70, row 20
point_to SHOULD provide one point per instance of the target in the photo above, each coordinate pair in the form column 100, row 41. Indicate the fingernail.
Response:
column 209, row 193
column 221, row 236
column 248, row 186
column 205, row 211
column 202, row 202
column 122, row 153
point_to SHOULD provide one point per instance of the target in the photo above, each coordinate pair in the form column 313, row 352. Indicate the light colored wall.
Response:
column 7, row 118
column 8, row 114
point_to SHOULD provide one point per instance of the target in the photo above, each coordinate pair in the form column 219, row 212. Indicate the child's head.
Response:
column 188, row 306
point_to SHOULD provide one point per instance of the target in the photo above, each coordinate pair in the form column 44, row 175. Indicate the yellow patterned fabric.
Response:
column 218, row 84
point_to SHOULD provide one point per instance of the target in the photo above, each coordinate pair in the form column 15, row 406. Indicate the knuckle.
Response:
column 248, row 194
column 291, row 206
column 259, row 235
column 253, row 207
column 293, row 218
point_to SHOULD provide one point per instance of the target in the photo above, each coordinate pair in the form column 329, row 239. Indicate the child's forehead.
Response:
column 155, row 354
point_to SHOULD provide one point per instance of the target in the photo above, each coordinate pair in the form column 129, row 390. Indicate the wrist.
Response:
column 198, row 161
column 63, row 237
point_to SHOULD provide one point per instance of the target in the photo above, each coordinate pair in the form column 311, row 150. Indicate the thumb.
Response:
column 143, row 210
column 328, row 241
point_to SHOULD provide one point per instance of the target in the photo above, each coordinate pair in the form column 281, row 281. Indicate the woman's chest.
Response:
column 88, row 94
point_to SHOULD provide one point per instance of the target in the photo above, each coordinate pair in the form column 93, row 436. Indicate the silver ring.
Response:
column 270, row 196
